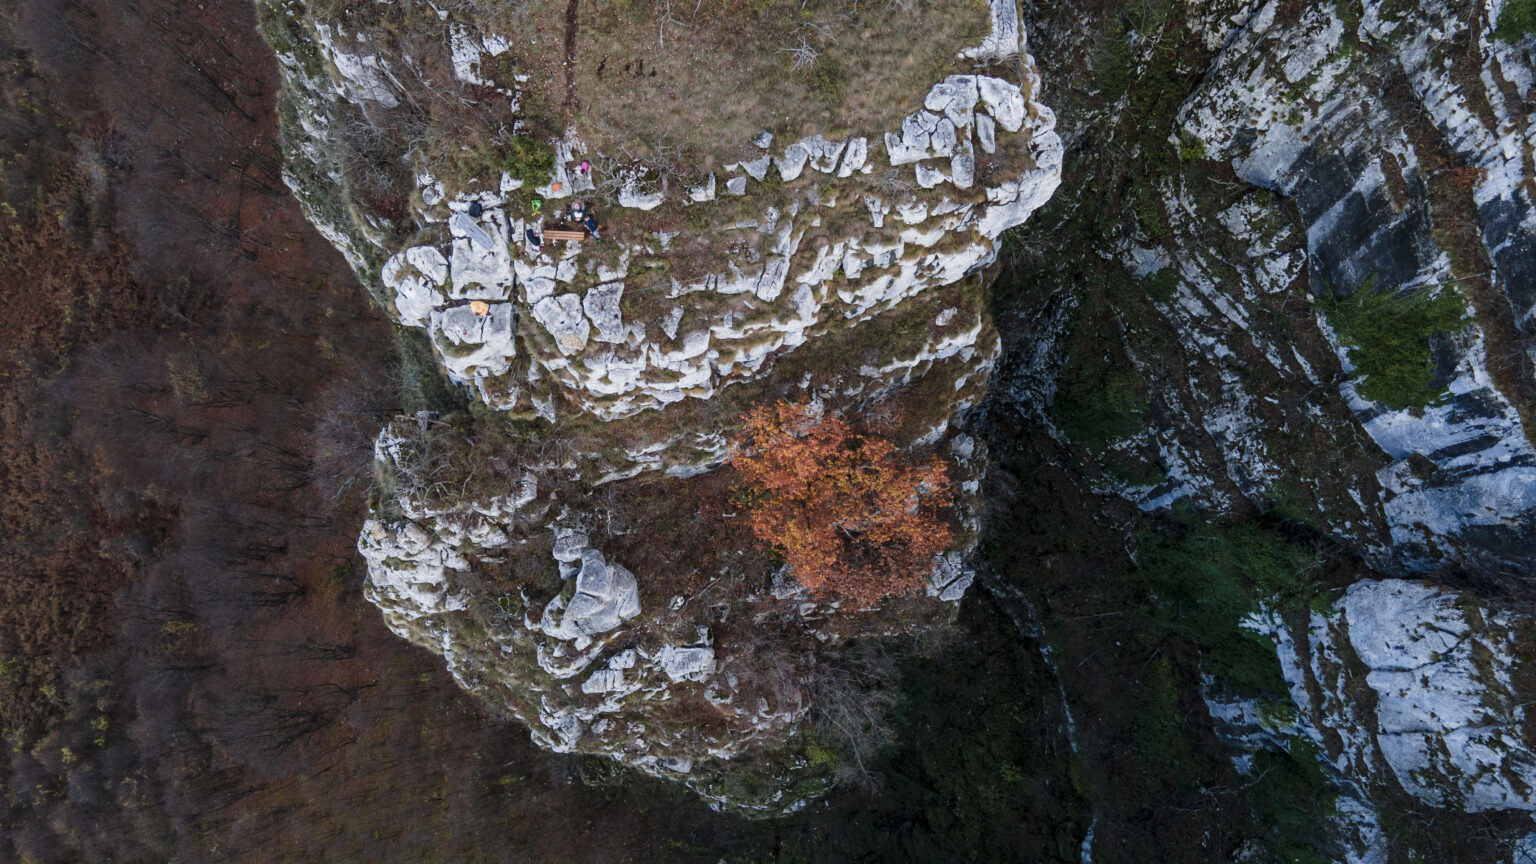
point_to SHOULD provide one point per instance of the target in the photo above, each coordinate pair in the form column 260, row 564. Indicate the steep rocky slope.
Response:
column 1331, row 150
column 1403, row 136
column 847, row 266
column 1295, row 286
column 1288, row 280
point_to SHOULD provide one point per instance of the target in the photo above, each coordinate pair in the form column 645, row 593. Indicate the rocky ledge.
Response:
column 531, row 546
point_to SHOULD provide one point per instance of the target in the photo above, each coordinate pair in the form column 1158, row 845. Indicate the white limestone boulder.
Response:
column 416, row 278
column 606, row 596
column 482, row 260
column 601, row 304
column 688, row 662
column 475, row 345
column 1448, row 723
column 562, row 317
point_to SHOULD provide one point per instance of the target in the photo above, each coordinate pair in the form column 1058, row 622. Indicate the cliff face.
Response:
column 1403, row 136
column 1289, row 278
column 572, row 553
column 1334, row 157
column 1442, row 712
column 800, row 239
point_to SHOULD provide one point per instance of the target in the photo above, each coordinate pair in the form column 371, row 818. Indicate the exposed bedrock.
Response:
column 1404, row 138
column 527, row 543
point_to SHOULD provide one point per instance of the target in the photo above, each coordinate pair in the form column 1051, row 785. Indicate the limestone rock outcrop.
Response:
column 1296, row 110
column 1328, row 150
column 1318, row 153
column 848, row 269
column 1443, row 714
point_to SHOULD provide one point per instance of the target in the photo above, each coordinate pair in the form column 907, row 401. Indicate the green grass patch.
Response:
column 826, row 79
column 1388, row 335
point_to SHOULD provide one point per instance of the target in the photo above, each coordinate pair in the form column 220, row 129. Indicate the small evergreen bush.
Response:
column 1516, row 21
column 529, row 159
column 1388, row 336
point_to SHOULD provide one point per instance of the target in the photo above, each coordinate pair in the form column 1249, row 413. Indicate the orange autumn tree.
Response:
column 847, row 511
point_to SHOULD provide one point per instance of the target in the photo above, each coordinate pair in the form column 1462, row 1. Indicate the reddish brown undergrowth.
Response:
column 850, row 514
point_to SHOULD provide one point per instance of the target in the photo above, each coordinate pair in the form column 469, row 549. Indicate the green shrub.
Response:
column 1388, row 336
column 1517, row 21
column 1113, row 66
column 1096, row 404
column 1204, row 579
column 826, row 79
column 1191, row 149
column 1149, row 212
column 529, row 159
column 1291, row 797
column 1161, row 284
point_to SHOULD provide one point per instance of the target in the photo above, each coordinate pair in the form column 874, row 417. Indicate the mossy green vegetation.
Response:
column 529, row 158
column 1113, row 68
column 826, row 79
column 1140, row 640
column 1291, row 796
column 1389, row 336
column 423, row 385
column 1162, row 284
column 979, row 769
column 1099, row 398
column 1202, row 580
column 1516, row 21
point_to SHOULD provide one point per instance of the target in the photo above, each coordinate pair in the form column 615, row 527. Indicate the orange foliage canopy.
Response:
column 849, row 514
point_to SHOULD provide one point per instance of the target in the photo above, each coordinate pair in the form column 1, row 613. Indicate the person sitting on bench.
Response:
column 534, row 240
column 590, row 223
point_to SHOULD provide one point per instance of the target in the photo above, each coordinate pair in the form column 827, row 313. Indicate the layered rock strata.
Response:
column 1298, row 109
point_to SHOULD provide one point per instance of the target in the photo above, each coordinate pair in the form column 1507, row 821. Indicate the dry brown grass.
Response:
column 704, row 78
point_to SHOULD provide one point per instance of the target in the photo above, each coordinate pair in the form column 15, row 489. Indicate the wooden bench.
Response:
column 566, row 235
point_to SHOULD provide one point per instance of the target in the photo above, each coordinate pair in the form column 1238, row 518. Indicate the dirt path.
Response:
column 572, row 23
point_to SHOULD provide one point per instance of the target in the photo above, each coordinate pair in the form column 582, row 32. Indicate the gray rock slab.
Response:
column 562, row 317
column 606, row 596
column 569, row 544
column 687, row 663
column 986, row 133
column 757, row 168
column 674, row 318
column 462, row 224
column 602, row 306
column 704, row 191
column 792, row 163
column 855, row 157
column 1003, row 100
